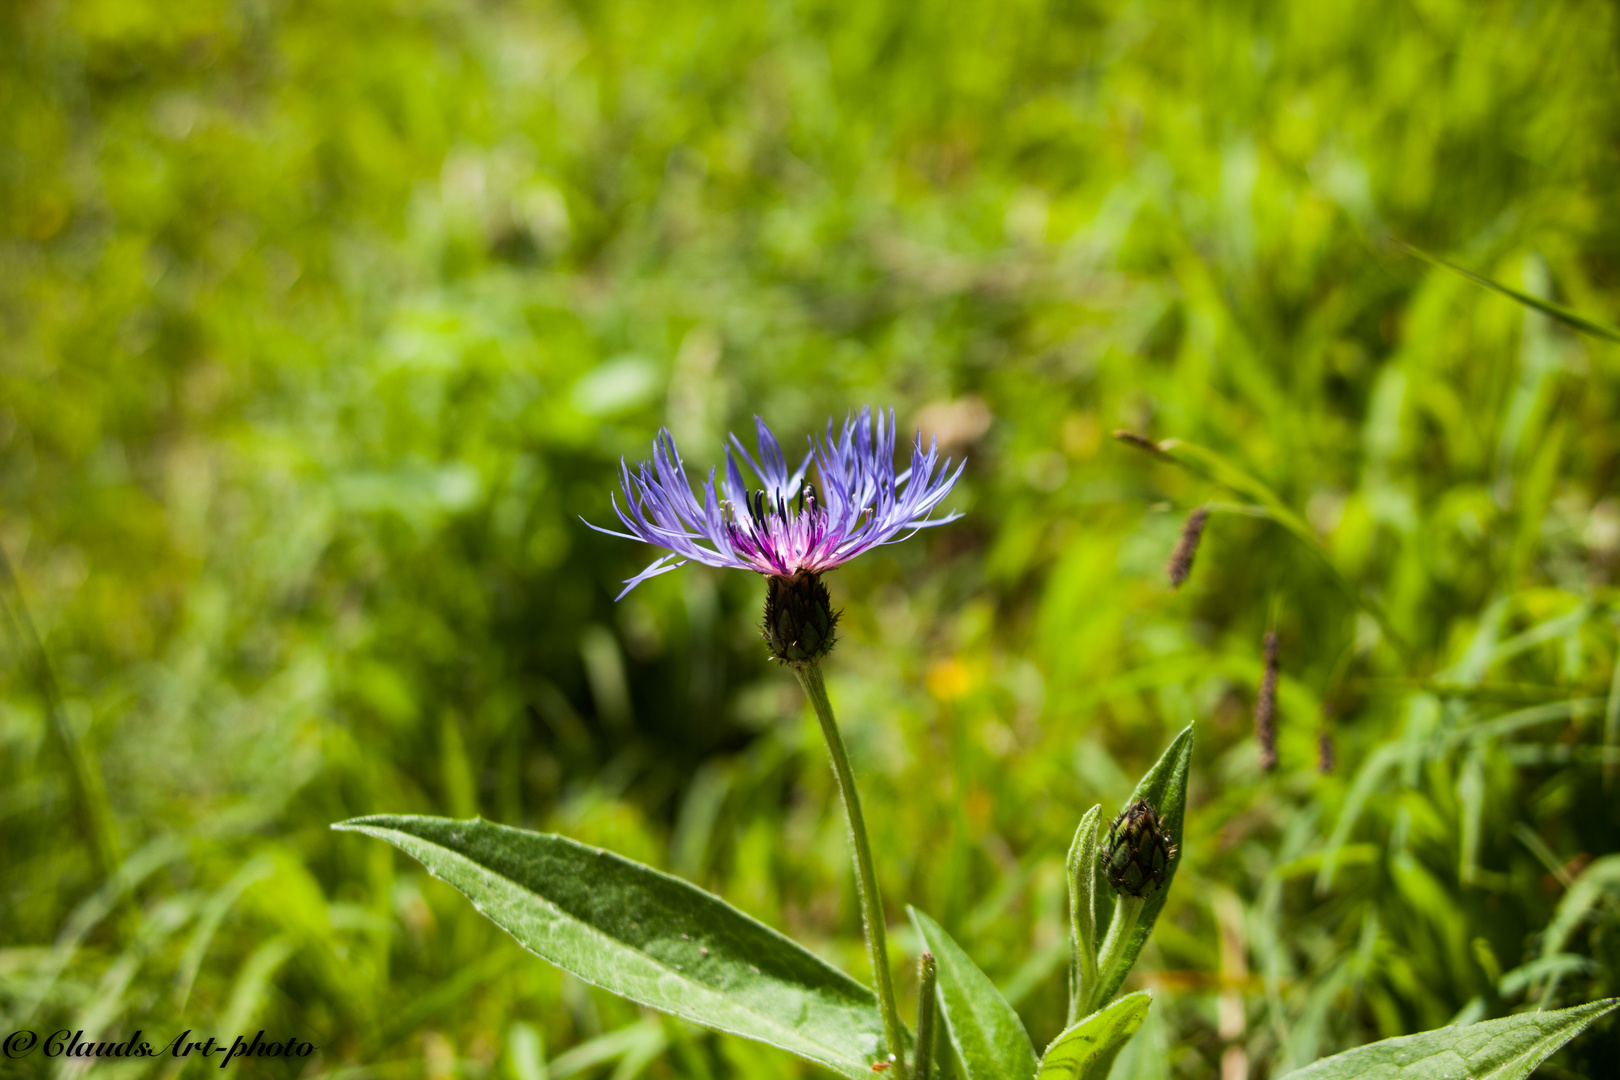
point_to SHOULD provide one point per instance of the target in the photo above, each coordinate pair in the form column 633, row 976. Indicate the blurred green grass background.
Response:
column 324, row 323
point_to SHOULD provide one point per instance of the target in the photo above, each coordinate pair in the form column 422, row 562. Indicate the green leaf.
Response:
column 1599, row 876
column 1088, row 1049
column 1568, row 316
column 1165, row 786
column 647, row 936
column 1082, row 869
column 986, row 1032
column 1506, row 1049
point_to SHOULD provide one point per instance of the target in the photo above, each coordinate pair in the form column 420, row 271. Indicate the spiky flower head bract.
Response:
column 799, row 618
column 1136, row 860
column 787, row 526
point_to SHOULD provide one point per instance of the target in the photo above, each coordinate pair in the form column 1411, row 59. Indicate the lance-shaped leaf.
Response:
column 1505, row 1049
column 1088, row 1049
column 988, row 1036
column 1082, row 870
column 647, row 936
column 1164, row 786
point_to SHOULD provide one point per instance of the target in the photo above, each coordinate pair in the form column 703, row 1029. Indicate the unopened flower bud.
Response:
column 1137, row 858
column 799, row 618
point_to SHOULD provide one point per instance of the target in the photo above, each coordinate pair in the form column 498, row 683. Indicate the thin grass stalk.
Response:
column 89, row 798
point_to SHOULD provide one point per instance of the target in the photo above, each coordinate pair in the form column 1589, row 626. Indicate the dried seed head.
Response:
column 1181, row 559
column 1265, row 707
column 1325, row 757
column 1137, row 857
column 1141, row 442
column 799, row 618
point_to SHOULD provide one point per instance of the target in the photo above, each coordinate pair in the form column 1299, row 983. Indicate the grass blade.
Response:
column 1573, row 319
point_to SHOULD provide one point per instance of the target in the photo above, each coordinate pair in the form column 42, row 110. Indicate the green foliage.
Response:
column 1081, row 869
column 323, row 324
column 1088, row 1049
column 1164, row 787
column 646, row 936
column 1573, row 319
column 1505, row 1049
column 986, row 1034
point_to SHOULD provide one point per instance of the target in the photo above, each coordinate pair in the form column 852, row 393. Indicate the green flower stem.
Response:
column 877, row 943
column 1126, row 913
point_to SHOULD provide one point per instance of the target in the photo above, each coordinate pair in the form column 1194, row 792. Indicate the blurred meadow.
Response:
column 322, row 324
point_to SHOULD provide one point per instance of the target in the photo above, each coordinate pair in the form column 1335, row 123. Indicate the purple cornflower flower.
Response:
column 790, row 526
